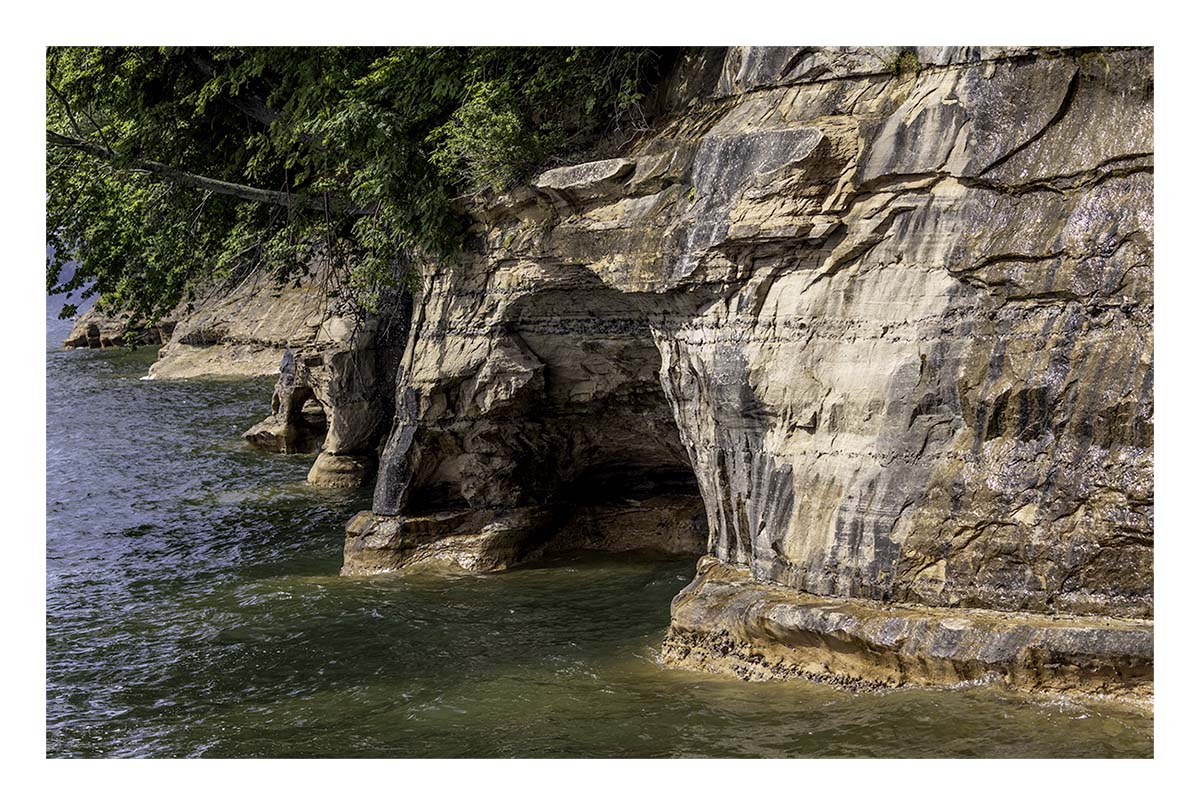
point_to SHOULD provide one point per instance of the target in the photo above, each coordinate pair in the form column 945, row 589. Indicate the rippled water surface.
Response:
column 194, row 609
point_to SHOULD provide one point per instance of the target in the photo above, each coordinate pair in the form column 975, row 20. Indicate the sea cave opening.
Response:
column 604, row 448
column 566, row 423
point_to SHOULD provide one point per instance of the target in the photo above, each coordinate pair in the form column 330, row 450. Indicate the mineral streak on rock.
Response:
column 895, row 332
column 891, row 334
column 897, row 329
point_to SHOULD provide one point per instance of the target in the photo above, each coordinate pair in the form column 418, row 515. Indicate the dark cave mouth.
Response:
column 610, row 485
column 577, row 447
column 654, row 510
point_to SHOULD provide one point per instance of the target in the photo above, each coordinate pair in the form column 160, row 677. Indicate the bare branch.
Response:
column 66, row 108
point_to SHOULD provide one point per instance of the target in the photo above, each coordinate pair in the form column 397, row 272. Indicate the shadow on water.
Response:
column 194, row 609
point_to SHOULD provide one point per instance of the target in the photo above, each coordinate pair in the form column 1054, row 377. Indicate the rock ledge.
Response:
column 725, row 622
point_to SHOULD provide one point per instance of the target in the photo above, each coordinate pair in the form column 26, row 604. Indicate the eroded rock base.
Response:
column 481, row 541
column 725, row 622
column 342, row 471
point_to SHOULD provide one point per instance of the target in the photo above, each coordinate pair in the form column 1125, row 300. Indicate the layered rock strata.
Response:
column 893, row 331
column 485, row 540
column 95, row 330
column 336, row 371
column 333, row 395
column 725, row 622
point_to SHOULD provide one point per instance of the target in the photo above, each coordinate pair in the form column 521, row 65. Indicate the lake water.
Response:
column 194, row 609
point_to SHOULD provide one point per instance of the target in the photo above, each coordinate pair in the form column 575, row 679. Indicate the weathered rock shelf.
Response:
column 880, row 345
column 725, row 622
column 894, row 330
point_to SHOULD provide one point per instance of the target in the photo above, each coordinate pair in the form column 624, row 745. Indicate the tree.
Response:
column 169, row 169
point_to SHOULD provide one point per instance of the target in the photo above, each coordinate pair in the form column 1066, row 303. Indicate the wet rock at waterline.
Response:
column 893, row 332
column 342, row 471
column 878, row 343
column 333, row 395
column 725, row 622
column 486, row 540
column 297, row 423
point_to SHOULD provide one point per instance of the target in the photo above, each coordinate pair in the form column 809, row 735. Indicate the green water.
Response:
column 194, row 609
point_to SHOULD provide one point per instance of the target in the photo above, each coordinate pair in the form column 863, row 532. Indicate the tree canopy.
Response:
column 171, row 168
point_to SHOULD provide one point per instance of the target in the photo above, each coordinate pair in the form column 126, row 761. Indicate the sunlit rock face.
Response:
column 95, row 330
column 895, row 332
column 333, row 395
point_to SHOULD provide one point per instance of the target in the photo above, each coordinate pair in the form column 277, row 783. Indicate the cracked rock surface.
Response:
column 893, row 333
column 334, row 390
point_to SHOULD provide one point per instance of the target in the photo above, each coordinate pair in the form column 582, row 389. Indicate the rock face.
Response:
column 893, row 331
column 297, row 423
column 243, row 331
column 95, row 330
column 333, row 395
column 334, row 392
column 481, row 540
column 725, row 622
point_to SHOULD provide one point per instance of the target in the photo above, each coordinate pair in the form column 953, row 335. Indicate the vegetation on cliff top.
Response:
column 168, row 168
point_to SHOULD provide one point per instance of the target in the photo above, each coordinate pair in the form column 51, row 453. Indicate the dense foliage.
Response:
column 172, row 168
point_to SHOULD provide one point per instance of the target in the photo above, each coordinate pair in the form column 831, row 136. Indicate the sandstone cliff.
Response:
column 95, row 330
column 876, row 342
column 334, row 392
column 877, row 338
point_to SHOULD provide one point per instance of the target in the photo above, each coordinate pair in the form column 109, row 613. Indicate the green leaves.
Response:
column 485, row 145
column 392, row 135
column 523, row 105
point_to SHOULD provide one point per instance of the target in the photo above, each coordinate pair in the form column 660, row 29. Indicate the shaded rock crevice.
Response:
column 894, row 331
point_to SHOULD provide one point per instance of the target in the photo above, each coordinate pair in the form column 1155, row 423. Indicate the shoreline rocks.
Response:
column 725, row 622
column 486, row 541
column 885, row 342
column 95, row 330
column 334, row 392
column 896, row 331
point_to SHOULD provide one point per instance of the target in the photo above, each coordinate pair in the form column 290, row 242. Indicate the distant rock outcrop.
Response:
column 336, row 372
column 96, row 330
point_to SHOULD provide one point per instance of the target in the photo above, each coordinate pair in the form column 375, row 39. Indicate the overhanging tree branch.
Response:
column 70, row 116
column 181, row 177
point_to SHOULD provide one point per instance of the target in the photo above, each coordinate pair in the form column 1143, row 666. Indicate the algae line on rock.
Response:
column 876, row 342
